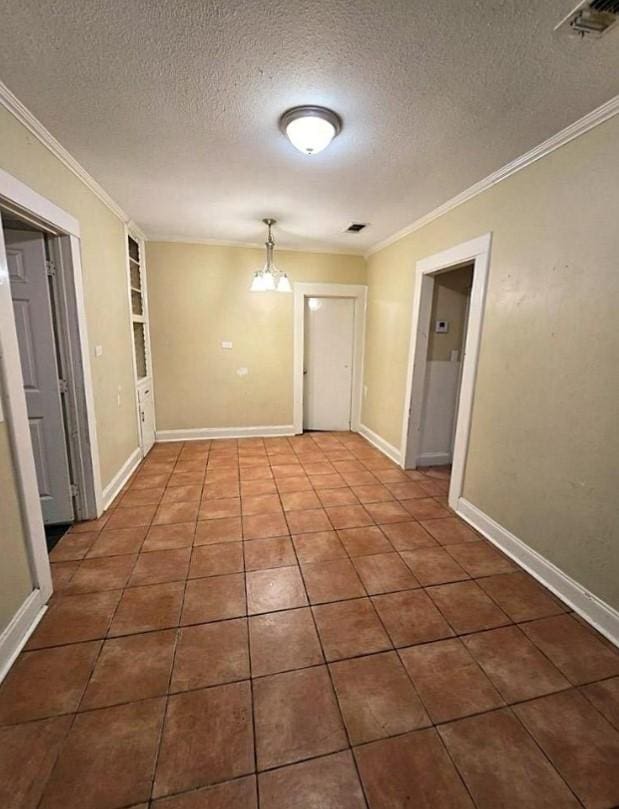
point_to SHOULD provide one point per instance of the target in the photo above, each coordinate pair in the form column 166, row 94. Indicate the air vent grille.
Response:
column 356, row 227
column 591, row 18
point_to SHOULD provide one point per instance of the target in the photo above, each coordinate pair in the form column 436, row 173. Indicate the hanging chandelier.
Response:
column 269, row 278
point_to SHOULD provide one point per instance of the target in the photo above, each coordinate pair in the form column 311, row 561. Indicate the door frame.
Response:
column 131, row 230
column 358, row 292
column 476, row 251
column 40, row 211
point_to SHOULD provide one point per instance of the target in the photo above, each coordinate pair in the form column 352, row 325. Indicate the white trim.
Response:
column 89, row 392
column 145, row 321
column 574, row 130
column 478, row 251
column 595, row 611
column 21, row 195
column 202, row 433
column 121, row 477
column 434, row 459
column 359, row 293
column 326, row 250
column 10, row 102
column 387, row 449
column 34, row 204
column 19, row 630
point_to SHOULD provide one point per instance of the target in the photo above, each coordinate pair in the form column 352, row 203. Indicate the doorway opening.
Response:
column 329, row 324
column 446, row 337
column 448, row 303
column 39, row 261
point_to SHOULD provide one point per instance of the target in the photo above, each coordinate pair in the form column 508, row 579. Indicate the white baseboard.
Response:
column 387, row 449
column 434, row 459
column 595, row 611
column 16, row 634
column 121, row 477
column 200, row 433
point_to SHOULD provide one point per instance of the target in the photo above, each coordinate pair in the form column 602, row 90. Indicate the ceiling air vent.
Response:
column 591, row 18
column 356, row 227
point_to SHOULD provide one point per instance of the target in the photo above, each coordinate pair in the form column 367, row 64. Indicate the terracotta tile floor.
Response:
column 295, row 623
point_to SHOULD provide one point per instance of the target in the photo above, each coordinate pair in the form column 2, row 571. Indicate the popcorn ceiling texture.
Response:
column 173, row 107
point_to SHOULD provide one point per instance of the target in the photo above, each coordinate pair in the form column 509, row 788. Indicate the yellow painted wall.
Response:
column 198, row 296
column 542, row 459
column 15, row 576
column 105, row 286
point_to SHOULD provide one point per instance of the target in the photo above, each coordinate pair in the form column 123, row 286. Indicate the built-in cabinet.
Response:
column 138, row 296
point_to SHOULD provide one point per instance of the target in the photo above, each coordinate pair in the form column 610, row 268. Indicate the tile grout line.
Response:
column 178, row 627
column 326, row 664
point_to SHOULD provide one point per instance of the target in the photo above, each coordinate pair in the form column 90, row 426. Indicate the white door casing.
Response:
column 26, row 259
column 328, row 350
column 478, row 251
column 302, row 291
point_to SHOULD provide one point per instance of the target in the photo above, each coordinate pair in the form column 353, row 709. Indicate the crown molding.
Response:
column 135, row 230
column 597, row 116
column 11, row 103
column 162, row 237
column 584, row 124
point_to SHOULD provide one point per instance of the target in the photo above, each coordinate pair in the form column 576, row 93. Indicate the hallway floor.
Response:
column 304, row 610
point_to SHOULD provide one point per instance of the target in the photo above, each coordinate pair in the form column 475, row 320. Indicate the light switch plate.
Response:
column 227, row 344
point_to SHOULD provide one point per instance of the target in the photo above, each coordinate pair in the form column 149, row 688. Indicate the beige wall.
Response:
column 449, row 302
column 105, row 286
column 543, row 453
column 198, row 296
column 15, row 576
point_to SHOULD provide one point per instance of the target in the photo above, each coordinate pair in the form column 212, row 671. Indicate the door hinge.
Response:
column 63, row 386
column 50, row 267
column 74, row 490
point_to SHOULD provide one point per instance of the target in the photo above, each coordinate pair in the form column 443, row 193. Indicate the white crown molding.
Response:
column 595, row 611
column 162, row 237
column 135, row 230
column 584, row 124
column 11, row 103
column 598, row 116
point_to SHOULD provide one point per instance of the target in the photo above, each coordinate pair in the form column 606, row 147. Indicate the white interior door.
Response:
column 25, row 252
column 328, row 352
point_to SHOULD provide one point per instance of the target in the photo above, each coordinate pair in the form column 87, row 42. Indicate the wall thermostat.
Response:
column 442, row 326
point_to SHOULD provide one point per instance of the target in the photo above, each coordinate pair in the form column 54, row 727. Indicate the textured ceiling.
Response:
column 173, row 106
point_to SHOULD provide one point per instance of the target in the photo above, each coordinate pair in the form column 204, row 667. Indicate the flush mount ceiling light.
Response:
column 310, row 129
column 269, row 278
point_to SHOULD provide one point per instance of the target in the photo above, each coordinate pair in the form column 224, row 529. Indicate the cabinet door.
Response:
column 147, row 417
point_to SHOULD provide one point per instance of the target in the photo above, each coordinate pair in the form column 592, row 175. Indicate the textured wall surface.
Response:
column 544, row 443
column 199, row 295
column 173, row 106
column 15, row 577
column 105, row 286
